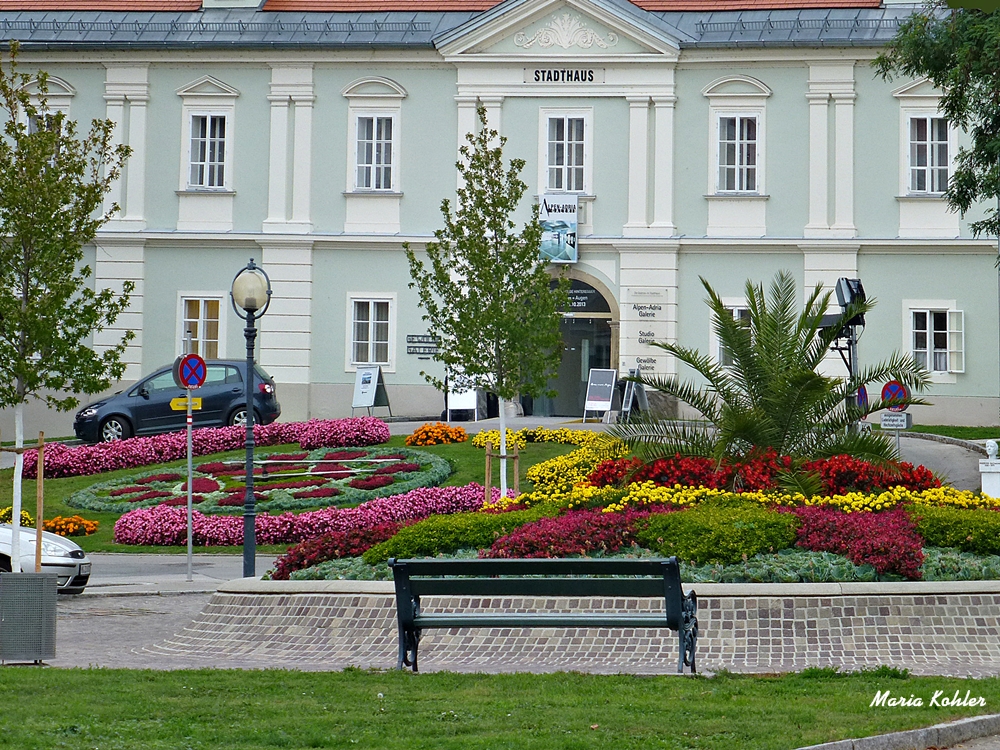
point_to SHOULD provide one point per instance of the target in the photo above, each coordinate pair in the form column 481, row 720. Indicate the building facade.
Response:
column 316, row 136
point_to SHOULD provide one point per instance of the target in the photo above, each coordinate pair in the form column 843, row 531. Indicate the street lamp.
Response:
column 251, row 293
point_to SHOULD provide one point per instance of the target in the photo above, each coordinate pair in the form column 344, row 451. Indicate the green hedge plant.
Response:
column 966, row 530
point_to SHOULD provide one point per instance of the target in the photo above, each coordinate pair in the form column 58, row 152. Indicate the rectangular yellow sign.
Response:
column 181, row 404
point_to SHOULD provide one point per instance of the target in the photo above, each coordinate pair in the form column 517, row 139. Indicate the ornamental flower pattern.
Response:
column 565, row 31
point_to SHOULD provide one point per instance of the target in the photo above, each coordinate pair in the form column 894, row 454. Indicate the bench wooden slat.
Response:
column 556, row 567
column 518, row 620
column 487, row 587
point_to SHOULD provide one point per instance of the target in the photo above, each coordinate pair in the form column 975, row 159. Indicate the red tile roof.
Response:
column 721, row 5
column 108, row 5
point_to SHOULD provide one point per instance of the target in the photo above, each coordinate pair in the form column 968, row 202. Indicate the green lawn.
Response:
column 215, row 710
column 468, row 465
column 964, row 433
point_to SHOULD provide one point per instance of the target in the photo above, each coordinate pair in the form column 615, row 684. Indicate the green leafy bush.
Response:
column 718, row 532
column 952, row 565
column 787, row 566
column 438, row 534
column 966, row 530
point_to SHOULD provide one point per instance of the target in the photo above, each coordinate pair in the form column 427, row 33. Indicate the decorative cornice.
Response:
column 565, row 31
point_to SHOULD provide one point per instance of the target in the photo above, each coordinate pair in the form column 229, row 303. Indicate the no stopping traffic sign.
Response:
column 190, row 371
column 895, row 391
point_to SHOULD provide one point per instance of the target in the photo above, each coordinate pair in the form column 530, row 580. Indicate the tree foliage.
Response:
column 958, row 50
column 773, row 395
column 52, row 186
column 486, row 295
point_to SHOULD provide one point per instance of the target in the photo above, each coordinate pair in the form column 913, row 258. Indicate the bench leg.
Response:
column 688, row 634
column 408, row 643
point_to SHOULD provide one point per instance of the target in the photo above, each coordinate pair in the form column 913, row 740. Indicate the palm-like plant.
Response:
column 772, row 396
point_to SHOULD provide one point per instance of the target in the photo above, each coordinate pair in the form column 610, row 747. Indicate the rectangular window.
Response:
column 928, row 154
column 375, row 153
column 738, row 154
column 370, row 340
column 201, row 318
column 565, row 154
column 741, row 314
column 208, row 151
column 938, row 339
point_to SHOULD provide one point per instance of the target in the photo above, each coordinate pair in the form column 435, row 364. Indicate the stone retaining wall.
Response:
column 929, row 628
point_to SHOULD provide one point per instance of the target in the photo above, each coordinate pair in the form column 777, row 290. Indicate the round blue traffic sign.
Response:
column 191, row 372
column 862, row 400
column 895, row 391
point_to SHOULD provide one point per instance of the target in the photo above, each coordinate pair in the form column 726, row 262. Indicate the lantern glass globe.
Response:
column 250, row 289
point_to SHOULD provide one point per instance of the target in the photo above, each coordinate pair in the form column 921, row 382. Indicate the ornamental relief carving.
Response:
column 565, row 31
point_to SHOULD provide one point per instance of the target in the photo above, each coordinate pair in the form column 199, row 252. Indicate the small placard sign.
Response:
column 600, row 390
column 369, row 388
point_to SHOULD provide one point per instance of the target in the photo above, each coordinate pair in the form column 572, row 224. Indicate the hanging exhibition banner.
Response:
column 557, row 214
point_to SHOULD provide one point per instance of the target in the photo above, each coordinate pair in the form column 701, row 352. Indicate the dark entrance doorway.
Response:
column 586, row 333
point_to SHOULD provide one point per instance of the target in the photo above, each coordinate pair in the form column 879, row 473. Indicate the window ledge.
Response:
column 375, row 193
column 204, row 191
column 736, row 196
column 937, row 197
column 944, row 377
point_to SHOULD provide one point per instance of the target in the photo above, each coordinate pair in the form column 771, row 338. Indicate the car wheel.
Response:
column 115, row 428
column 239, row 417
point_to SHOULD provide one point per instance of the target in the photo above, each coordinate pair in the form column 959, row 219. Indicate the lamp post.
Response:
column 251, row 294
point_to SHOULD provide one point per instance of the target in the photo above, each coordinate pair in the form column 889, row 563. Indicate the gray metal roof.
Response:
column 249, row 28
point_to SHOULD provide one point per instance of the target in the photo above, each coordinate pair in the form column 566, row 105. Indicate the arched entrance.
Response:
column 590, row 340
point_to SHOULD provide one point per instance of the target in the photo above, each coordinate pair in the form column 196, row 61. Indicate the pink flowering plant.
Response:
column 65, row 461
column 165, row 525
column 304, row 481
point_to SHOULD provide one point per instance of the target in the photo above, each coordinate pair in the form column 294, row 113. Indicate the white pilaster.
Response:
column 466, row 122
column 120, row 259
column 494, row 112
column 291, row 95
column 819, row 158
column 286, row 329
column 638, row 158
column 844, row 170
column 663, row 165
column 126, row 91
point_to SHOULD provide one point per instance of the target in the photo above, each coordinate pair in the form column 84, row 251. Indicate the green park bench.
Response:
column 543, row 578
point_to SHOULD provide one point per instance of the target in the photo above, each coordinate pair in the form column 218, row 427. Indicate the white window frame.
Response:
column 718, row 115
column 737, row 96
column 221, row 297
column 392, row 114
column 908, row 114
column 207, row 97
column 350, row 363
column 741, row 169
column 587, row 115
column 715, row 345
column 955, row 335
column 210, row 118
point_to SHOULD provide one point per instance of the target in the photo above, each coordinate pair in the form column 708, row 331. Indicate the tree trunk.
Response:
column 15, row 541
column 503, row 448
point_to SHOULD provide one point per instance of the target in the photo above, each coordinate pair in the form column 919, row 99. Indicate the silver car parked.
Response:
column 60, row 555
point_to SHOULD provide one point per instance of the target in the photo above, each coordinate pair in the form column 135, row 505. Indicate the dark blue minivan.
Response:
column 144, row 409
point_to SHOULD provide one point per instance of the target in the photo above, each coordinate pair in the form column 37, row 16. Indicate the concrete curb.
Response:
column 741, row 590
column 89, row 594
column 967, row 444
column 939, row 735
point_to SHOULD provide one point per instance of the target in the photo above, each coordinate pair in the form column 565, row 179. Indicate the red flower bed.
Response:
column 321, row 492
column 332, row 471
column 345, row 455
column 151, row 495
column 195, row 499
column 578, row 532
column 160, row 478
column 397, row 468
column 202, row 484
column 372, row 482
column 219, row 469
column 841, row 474
column 237, row 498
column 331, row 547
column 394, row 456
column 888, row 541
column 276, row 468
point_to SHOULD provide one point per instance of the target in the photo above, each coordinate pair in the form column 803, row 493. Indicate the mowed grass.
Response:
column 467, row 462
column 963, row 433
column 208, row 709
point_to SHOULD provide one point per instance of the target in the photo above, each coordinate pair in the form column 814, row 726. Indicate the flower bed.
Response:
column 70, row 526
column 284, row 487
column 437, row 433
column 162, row 525
column 64, row 461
